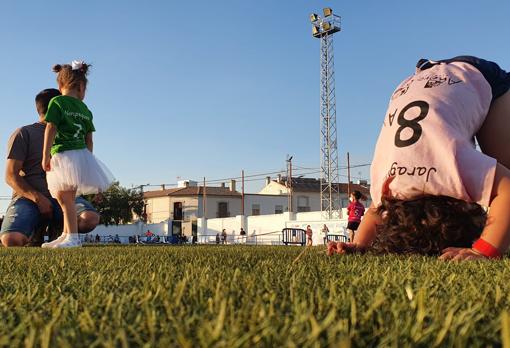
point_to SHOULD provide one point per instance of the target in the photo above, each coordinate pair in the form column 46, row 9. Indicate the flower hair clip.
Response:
column 77, row 64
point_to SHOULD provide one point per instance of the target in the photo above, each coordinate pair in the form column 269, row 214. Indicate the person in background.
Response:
column 242, row 233
column 355, row 211
column 325, row 231
column 148, row 236
column 224, row 236
column 309, row 235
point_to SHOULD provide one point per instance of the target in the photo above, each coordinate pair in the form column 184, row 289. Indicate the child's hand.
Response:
column 458, row 254
column 343, row 248
column 46, row 163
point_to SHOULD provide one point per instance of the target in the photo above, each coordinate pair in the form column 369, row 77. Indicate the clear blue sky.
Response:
column 181, row 89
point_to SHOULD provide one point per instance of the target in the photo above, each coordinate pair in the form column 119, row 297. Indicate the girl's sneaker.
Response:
column 72, row 240
column 54, row 242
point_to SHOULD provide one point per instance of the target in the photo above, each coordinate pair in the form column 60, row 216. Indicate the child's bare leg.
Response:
column 66, row 199
column 494, row 137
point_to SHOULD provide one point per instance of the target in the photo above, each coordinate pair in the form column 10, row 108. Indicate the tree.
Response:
column 118, row 205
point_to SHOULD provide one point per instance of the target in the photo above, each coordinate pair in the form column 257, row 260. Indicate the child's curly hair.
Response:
column 427, row 225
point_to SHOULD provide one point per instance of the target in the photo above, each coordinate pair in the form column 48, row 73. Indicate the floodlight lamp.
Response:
column 327, row 11
column 314, row 17
column 315, row 30
column 326, row 26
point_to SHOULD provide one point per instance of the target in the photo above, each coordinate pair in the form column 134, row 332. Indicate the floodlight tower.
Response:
column 323, row 29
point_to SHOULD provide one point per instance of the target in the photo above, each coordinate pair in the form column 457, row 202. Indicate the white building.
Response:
column 306, row 192
column 186, row 202
column 183, row 206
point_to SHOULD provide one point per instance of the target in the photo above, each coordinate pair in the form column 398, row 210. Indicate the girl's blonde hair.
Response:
column 69, row 78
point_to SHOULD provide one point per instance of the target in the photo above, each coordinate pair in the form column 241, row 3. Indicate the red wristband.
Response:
column 486, row 249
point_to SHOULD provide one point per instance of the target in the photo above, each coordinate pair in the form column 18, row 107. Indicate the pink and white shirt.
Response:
column 355, row 210
column 427, row 140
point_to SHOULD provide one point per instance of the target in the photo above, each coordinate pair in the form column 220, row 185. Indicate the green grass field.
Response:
column 242, row 296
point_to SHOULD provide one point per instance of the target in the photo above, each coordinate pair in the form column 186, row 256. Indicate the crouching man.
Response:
column 32, row 208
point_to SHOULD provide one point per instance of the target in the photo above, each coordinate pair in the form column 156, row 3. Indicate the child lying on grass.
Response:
column 429, row 182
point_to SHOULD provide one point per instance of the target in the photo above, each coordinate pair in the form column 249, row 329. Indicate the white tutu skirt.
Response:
column 78, row 170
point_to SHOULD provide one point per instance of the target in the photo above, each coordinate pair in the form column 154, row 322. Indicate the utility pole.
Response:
column 204, row 202
column 289, row 184
column 323, row 29
column 144, row 214
column 348, row 176
column 242, row 192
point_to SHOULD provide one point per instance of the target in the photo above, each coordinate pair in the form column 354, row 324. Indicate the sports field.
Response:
column 245, row 296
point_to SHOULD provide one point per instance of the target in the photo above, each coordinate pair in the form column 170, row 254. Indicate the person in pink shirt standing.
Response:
column 433, row 191
column 309, row 235
column 355, row 211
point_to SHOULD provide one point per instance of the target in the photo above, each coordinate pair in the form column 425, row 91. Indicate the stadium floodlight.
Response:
column 327, row 11
column 323, row 29
column 328, row 25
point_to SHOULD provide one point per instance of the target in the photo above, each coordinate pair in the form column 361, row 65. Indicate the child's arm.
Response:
column 89, row 142
column 49, row 137
column 367, row 228
column 363, row 238
column 497, row 228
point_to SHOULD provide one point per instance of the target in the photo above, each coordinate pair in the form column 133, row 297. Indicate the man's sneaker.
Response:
column 71, row 241
column 54, row 242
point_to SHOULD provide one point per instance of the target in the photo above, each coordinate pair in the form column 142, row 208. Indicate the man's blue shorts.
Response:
column 23, row 215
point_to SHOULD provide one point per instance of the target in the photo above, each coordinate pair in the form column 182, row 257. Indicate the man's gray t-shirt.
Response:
column 26, row 145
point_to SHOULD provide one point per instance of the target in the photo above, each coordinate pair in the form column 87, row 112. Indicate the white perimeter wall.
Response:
column 160, row 229
column 263, row 229
column 266, row 229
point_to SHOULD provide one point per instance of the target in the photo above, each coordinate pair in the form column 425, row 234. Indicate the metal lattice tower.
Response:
column 323, row 29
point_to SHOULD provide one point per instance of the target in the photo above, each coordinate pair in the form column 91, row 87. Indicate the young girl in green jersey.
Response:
column 71, row 168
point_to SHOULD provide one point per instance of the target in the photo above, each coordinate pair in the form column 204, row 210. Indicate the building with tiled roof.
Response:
column 193, row 191
column 186, row 202
column 184, row 205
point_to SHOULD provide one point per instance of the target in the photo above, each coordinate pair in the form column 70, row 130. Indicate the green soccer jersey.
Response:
column 73, row 121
